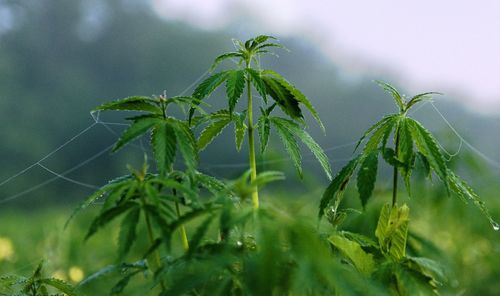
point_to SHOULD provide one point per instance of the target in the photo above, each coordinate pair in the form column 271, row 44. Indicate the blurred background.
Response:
column 59, row 59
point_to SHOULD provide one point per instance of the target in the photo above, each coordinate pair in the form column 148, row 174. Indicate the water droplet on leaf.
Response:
column 495, row 225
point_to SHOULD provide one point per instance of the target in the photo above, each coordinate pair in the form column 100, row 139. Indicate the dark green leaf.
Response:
column 258, row 83
column 61, row 286
column 234, row 87
column 223, row 57
column 132, row 104
column 291, row 146
column 379, row 134
column 339, row 183
column 136, row 129
column 187, row 143
column 405, row 152
column 298, row 131
column 127, row 234
column 394, row 92
column 164, row 146
column 239, row 129
column 373, row 127
column 211, row 131
column 419, row 98
column 107, row 217
column 287, row 102
column 367, row 175
column 210, row 84
column 264, row 127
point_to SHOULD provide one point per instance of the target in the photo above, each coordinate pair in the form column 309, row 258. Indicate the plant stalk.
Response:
column 395, row 176
column 251, row 148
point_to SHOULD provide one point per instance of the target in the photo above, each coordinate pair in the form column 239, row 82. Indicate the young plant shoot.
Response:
column 248, row 75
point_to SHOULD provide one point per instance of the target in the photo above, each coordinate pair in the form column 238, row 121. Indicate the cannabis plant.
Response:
column 385, row 259
column 247, row 76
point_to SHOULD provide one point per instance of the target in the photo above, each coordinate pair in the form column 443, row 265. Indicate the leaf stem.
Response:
column 251, row 145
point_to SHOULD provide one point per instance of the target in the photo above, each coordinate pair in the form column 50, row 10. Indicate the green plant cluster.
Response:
column 239, row 245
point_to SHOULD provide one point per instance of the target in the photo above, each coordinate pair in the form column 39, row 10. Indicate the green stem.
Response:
column 156, row 264
column 184, row 239
column 251, row 147
column 395, row 176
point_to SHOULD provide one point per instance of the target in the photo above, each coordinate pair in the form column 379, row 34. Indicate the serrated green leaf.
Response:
column 373, row 127
column 106, row 217
column 127, row 235
column 212, row 184
column 419, row 98
column 211, row 131
column 427, row 267
column 164, row 145
column 239, row 129
column 290, row 144
column 136, row 103
column 361, row 260
column 285, row 100
column 266, row 177
column 339, row 183
column 405, row 152
column 209, row 85
column 297, row 95
column 60, row 285
column 394, row 93
column 411, row 282
column 380, row 134
column 186, row 143
column 136, row 129
column 465, row 192
column 264, row 128
column 223, row 57
column 367, row 175
column 298, row 131
column 427, row 145
column 234, row 87
column 392, row 230
column 258, row 83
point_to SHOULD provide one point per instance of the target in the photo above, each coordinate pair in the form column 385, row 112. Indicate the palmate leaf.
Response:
column 361, row 260
column 186, row 142
column 427, row 145
column 367, row 175
column 127, row 234
column 339, row 183
column 258, row 83
column 291, row 146
column 465, row 192
column 264, row 128
column 297, row 95
column 164, row 145
column 211, row 131
column 136, row 103
column 297, row 130
column 136, row 129
column 392, row 230
column 234, row 87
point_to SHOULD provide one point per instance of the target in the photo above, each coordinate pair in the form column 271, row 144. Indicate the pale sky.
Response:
column 448, row 46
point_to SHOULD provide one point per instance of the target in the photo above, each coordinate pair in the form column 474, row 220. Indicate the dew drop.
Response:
column 495, row 225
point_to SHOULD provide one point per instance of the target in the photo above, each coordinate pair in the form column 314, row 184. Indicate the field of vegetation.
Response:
column 167, row 228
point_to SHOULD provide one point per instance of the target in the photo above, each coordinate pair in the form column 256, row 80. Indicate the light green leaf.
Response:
column 291, row 146
column 234, row 87
column 379, row 134
column 211, row 131
column 338, row 184
column 392, row 230
column 264, row 127
column 427, row 145
column 405, row 152
column 373, row 127
column 298, row 131
column 208, row 86
column 127, row 233
column 164, row 145
column 367, row 175
column 419, row 98
column 267, row 177
column 361, row 260
column 223, row 57
column 394, row 92
column 136, row 129
column 186, row 143
column 137, row 103
column 239, row 129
